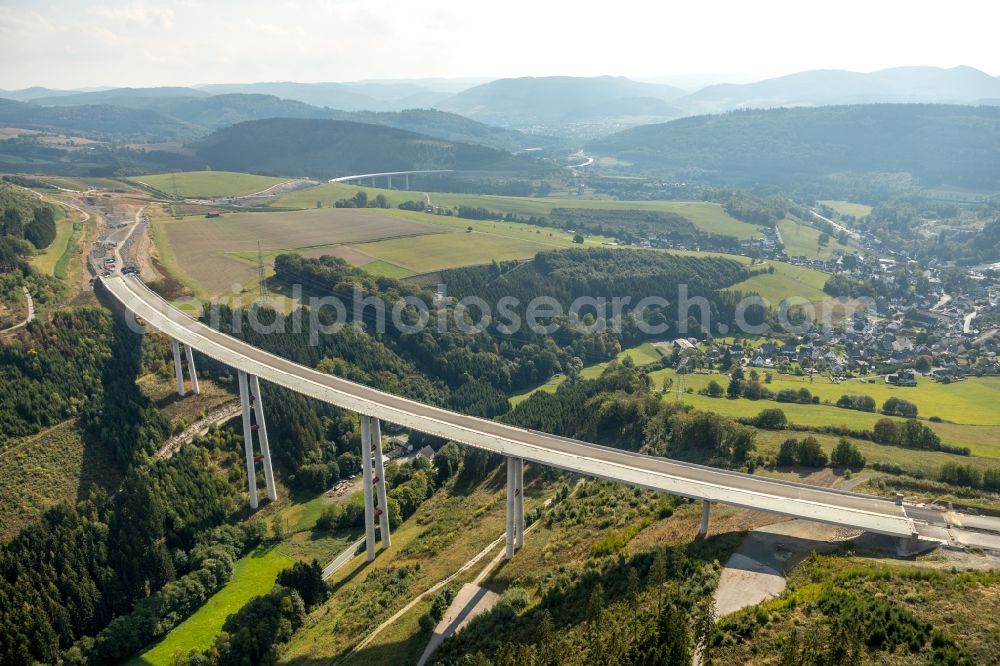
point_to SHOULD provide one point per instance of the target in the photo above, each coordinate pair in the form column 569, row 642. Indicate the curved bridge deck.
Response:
column 695, row 481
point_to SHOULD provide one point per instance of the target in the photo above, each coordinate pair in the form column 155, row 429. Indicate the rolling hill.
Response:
column 157, row 114
column 102, row 121
column 935, row 144
column 330, row 148
column 958, row 85
column 134, row 98
column 551, row 101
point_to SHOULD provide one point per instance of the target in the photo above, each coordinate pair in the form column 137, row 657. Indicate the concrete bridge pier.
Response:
column 375, row 432
column 265, row 448
column 178, row 368
column 373, row 476
column 191, row 370
column 515, row 505
column 248, row 438
column 706, row 506
column 366, row 477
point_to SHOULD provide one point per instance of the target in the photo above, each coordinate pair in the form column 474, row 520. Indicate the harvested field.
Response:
column 211, row 255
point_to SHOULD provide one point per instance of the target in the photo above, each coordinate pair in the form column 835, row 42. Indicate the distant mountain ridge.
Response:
column 958, row 85
column 171, row 114
column 935, row 144
column 573, row 107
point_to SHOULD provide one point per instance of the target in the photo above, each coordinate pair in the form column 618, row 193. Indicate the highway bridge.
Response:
column 698, row 482
column 388, row 176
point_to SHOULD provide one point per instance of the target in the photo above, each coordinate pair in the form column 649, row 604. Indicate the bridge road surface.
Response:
column 695, row 481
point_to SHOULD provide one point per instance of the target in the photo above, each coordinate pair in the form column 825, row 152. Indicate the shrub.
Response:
column 788, row 454
column 886, row 432
column 771, row 419
column 899, row 407
column 864, row 403
column 846, row 454
column 307, row 580
column 810, row 453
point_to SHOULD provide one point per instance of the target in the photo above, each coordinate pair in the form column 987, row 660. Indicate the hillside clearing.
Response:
column 208, row 184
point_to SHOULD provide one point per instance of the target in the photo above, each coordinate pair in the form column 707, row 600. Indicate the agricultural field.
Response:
column 424, row 254
column 847, row 208
column 209, row 256
column 209, row 184
column 802, row 240
column 706, row 216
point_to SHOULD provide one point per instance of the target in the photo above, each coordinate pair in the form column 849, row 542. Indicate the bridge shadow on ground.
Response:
column 358, row 568
column 125, row 422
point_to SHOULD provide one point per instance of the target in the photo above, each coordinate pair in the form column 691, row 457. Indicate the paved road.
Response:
column 967, row 321
column 587, row 161
column 345, row 556
column 839, row 227
column 685, row 479
column 29, row 318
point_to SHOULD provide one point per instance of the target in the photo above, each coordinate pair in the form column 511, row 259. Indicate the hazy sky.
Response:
column 71, row 43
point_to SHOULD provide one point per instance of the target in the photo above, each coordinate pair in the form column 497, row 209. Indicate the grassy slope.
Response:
column 209, row 183
column 848, row 208
column 980, row 439
column 971, row 402
column 787, row 281
column 803, row 240
column 963, row 606
column 45, row 261
column 641, row 355
column 253, row 575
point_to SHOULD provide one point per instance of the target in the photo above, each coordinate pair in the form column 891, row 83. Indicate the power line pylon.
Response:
column 260, row 272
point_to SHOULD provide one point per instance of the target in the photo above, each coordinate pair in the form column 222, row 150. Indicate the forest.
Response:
column 935, row 144
column 329, row 148
column 65, row 578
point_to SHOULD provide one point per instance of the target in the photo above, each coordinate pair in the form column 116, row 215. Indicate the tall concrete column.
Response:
column 706, row 506
column 265, row 448
column 248, row 438
column 511, row 506
column 366, row 467
column 191, row 371
column 518, row 503
column 407, row 177
column 178, row 370
column 390, row 183
column 375, row 432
